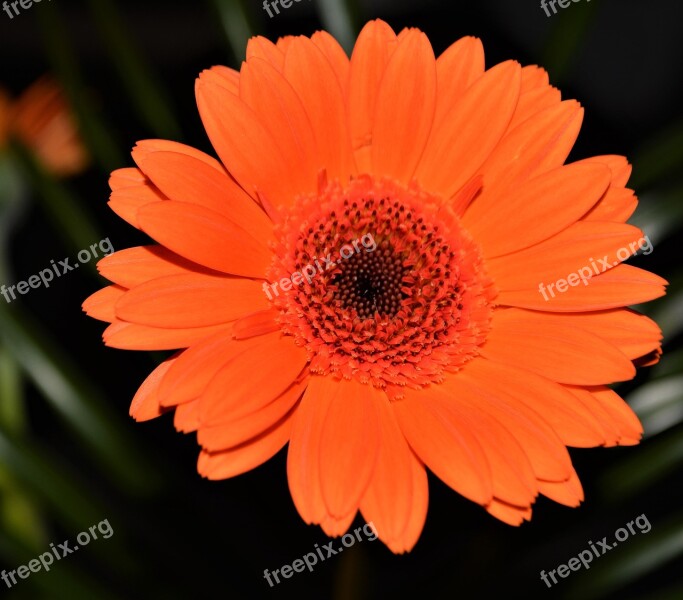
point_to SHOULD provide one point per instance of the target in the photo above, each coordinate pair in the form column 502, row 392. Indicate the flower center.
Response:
column 371, row 283
column 386, row 285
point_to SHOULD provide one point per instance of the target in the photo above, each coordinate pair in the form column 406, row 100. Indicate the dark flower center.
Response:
column 372, row 282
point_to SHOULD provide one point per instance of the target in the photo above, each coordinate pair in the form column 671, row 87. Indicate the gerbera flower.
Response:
column 435, row 349
column 41, row 119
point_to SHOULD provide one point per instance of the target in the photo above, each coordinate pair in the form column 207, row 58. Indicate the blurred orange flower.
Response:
column 42, row 120
column 434, row 350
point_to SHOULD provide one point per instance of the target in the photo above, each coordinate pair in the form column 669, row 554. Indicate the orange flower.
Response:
column 41, row 119
column 436, row 348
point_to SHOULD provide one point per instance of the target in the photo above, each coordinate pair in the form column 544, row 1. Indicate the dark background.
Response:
column 179, row 536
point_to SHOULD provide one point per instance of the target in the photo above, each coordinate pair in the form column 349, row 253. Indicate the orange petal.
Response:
column 534, row 77
column 303, row 466
column 350, row 440
column 458, row 203
column 548, row 456
column 458, row 67
column 591, row 246
column 618, row 166
column 100, row 305
column 634, row 334
column 248, row 151
column 628, row 425
column 374, row 47
column 471, row 130
column 622, row 285
column 512, row 475
column 533, row 102
column 225, row 78
column 232, row 431
column 186, row 178
column 260, row 47
column 335, row 54
column 536, row 94
column 247, row 456
column 559, row 352
column 573, row 423
column 198, row 365
column 134, row 266
column 508, row 513
column 324, row 103
column 191, row 300
column 609, row 428
column 236, row 392
column 538, row 209
column 615, row 415
column 446, row 444
column 617, row 205
column 126, row 200
column 186, row 419
column 569, row 493
column 255, row 324
column 285, row 42
column 334, row 527
column 279, row 109
column 145, row 147
column 540, row 144
column 145, row 405
column 206, row 237
column 396, row 499
column 396, row 150
column 130, row 336
column 127, row 177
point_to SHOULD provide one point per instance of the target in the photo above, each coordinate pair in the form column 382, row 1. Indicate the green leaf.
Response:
column 670, row 364
column 12, row 411
column 72, row 223
column 338, row 18
column 660, row 157
column 659, row 214
column 18, row 513
column 667, row 311
column 12, row 193
column 75, row 400
column 652, row 462
column 41, row 475
column 149, row 100
column 234, row 20
column 658, row 404
column 96, row 134
column 569, row 30
column 62, row 576
column 639, row 556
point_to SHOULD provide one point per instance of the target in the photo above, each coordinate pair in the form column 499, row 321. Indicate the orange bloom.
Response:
column 41, row 119
column 435, row 349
